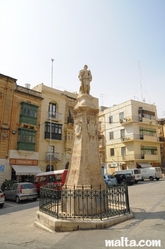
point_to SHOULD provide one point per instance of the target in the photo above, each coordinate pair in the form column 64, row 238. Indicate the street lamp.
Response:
column 50, row 116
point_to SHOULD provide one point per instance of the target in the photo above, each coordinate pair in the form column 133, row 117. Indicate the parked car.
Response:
column 2, row 198
column 134, row 172
column 21, row 191
column 110, row 180
column 124, row 178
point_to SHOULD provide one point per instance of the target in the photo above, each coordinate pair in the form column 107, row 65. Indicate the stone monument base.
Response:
column 51, row 224
column 84, row 202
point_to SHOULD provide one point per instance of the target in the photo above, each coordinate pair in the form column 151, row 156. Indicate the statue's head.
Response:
column 85, row 67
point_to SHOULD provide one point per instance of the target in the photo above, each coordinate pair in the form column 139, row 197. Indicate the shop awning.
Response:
column 145, row 165
column 26, row 170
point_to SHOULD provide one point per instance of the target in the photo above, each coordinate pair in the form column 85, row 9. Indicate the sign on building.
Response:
column 1, row 168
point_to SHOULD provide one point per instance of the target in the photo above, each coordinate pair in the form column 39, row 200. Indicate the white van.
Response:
column 151, row 173
column 134, row 172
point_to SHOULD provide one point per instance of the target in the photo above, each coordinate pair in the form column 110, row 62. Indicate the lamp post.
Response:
column 50, row 116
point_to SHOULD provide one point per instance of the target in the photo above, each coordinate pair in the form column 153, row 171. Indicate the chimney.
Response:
column 27, row 85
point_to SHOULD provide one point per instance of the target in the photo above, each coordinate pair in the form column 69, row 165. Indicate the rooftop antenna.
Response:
column 140, row 82
column 52, row 74
column 102, row 98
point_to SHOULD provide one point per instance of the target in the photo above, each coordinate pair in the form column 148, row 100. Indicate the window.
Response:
column 43, row 179
column 146, row 114
column 29, row 110
column 48, row 168
column 111, row 119
column 123, row 151
column 56, row 130
column 59, row 178
column 51, row 149
column 69, row 136
column 121, row 115
column 147, row 132
column 52, row 110
column 149, row 150
column 14, row 187
column 26, row 136
column 122, row 133
column 112, row 152
column 111, row 135
column 136, row 171
column 28, row 113
column 51, row 178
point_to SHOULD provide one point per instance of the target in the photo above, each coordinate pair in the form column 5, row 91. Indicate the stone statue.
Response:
column 85, row 77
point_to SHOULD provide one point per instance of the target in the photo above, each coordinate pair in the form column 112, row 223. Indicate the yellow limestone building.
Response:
column 129, row 136
column 56, row 128
column 19, row 130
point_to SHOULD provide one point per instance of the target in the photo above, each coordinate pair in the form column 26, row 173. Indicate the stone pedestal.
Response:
column 85, row 169
column 84, row 203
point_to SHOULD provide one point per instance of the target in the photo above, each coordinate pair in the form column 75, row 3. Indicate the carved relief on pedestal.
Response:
column 92, row 129
column 78, row 129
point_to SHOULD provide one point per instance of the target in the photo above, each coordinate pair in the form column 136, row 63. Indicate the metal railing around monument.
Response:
column 84, row 203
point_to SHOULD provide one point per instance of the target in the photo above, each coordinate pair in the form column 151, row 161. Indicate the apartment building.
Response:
column 56, row 127
column 19, row 128
column 130, row 133
column 161, row 121
column 7, row 86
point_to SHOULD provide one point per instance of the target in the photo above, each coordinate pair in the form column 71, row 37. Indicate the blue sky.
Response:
column 121, row 41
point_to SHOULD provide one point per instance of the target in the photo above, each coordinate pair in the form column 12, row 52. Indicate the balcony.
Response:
column 128, row 120
column 55, row 116
column 125, row 121
column 26, row 146
column 150, row 157
column 101, row 144
column 54, row 157
column 126, row 139
column 100, row 134
column 28, row 119
column 149, row 121
column 70, row 120
column 137, row 157
column 145, row 138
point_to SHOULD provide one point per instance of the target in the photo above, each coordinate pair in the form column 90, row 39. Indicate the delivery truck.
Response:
column 151, row 173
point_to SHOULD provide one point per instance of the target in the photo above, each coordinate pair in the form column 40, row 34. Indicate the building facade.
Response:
column 56, row 128
column 161, row 121
column 19, row 126
column 7, row 86
column 19, row 123
column 131, row 131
